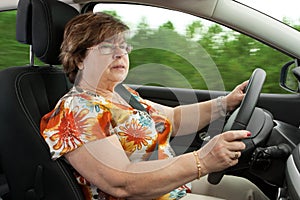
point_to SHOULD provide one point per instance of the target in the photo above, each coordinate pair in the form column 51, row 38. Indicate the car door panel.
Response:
column 282, row 106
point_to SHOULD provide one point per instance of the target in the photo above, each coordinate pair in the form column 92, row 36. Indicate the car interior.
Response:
column 32, row 90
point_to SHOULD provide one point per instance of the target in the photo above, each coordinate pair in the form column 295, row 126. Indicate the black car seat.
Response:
column 27, row 93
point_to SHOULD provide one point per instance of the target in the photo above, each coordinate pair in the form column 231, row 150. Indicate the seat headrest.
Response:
column 23, row 22
column 49, row 18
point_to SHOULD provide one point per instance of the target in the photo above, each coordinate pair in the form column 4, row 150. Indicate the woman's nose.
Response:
column 118, row 53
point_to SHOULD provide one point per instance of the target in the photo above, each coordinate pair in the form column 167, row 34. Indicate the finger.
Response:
column 225, row 158
column 241, row 86
column 232, row 154
column 234, row 162
column 233, row 159
column 241, row 89
column 235, row 155
column 236, row 146
column 244, row 84
column 230, row 136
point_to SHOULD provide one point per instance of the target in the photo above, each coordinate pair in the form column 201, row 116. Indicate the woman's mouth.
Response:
column 118, row 67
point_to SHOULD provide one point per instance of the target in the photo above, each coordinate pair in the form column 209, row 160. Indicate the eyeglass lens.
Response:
column 108, row 48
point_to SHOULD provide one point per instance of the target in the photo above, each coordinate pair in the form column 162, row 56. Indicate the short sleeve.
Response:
column 74, row 122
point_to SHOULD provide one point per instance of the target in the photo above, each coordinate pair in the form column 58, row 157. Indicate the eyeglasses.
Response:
column 108, row 48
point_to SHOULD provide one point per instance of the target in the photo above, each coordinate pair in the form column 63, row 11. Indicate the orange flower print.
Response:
column 128, row 147
column 136, row 134
column 69, row 132
column 104, row 120
column 163, row 128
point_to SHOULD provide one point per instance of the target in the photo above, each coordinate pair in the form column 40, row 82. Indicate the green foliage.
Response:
column 194, row 29
column 168, row 25
column 12, row 53
column 112, row 13
column 235, row 55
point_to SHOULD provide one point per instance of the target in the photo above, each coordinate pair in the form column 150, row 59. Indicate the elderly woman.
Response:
column 109, row 143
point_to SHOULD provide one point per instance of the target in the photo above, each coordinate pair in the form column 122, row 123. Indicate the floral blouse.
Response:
column 82, row 116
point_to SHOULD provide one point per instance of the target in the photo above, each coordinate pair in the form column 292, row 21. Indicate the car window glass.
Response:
column 175, row 49
column 12, row 52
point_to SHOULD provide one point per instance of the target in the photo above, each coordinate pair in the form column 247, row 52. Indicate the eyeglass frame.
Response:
column 113, row 47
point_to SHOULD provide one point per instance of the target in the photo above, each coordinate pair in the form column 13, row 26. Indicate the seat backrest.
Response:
column 27, row 93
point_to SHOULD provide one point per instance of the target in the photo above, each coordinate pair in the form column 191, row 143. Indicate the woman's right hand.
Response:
column 222, row 151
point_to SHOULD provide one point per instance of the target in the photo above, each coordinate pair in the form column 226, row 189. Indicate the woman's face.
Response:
column 106, row 64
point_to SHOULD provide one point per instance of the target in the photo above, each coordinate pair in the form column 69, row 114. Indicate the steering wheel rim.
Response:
column 241, row 116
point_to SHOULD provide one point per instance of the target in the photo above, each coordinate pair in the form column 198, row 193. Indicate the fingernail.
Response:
column 248, row 134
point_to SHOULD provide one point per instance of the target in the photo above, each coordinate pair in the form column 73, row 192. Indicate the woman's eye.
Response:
column 123, row 46
column 106, row 46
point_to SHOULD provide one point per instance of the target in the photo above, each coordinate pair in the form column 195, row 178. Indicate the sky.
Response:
column 275, row 8
column 162, row 15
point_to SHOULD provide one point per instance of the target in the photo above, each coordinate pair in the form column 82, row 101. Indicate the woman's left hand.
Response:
column 234, row 98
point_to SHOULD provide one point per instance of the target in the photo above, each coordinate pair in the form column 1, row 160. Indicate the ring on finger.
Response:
column 236, row 155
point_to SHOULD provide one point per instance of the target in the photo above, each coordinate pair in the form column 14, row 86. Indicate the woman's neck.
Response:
column 101, row 88
column 106, row 92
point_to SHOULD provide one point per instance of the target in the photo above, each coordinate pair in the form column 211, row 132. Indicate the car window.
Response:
column 180, row 50
column 12, row 53
column 173, row 49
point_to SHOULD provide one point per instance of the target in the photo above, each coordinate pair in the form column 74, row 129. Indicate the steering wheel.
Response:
column 239, row 120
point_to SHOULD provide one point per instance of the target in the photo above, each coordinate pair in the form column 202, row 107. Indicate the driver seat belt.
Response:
column 134, row 103
column 129, row 98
